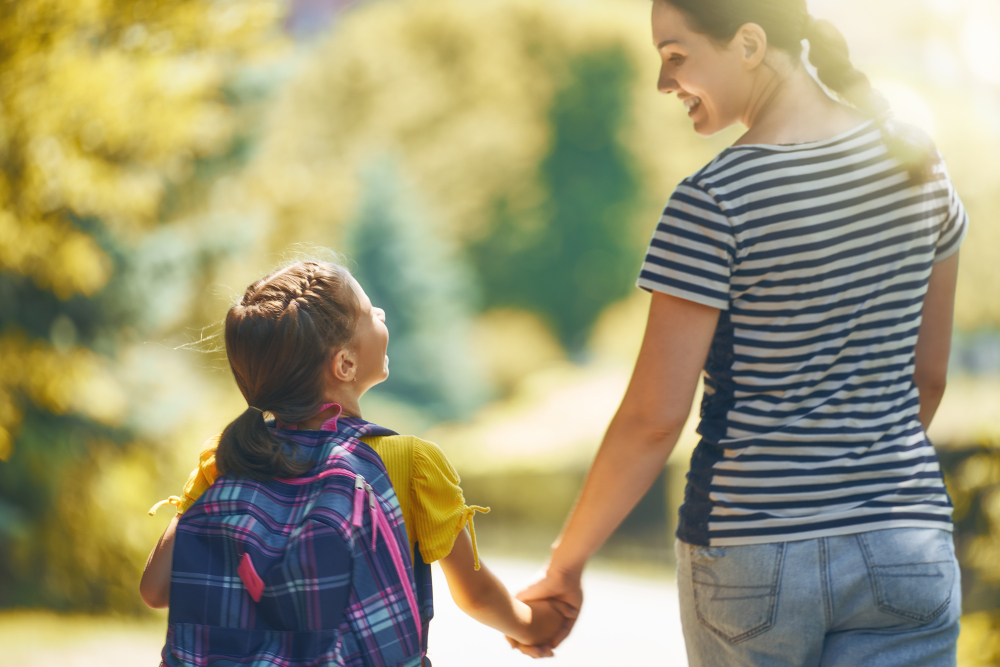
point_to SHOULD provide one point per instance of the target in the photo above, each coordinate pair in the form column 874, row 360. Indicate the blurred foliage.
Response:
column 426, row 293
column 573, row 256
column 972, row 475
column 530, row 147
column 979, row 643
column 108, row 110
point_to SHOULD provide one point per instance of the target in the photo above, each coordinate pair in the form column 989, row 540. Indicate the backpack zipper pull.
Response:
column 359, row 499
column 373, row 507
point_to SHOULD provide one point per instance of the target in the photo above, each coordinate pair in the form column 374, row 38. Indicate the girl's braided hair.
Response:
column 787, row 23
column 279, row 337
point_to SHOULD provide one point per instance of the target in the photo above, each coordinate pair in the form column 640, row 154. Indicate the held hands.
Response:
column 555, row 600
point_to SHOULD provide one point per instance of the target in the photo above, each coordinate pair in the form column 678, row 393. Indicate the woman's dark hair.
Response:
column 278, row 340
column 787, row 23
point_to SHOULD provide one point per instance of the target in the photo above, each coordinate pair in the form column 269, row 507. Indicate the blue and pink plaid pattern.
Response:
column 326, row 597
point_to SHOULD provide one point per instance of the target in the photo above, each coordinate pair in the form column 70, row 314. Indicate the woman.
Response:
column 809, row 271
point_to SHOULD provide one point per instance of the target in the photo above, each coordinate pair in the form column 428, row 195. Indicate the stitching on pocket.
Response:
column 771, row 592
column 879, row 574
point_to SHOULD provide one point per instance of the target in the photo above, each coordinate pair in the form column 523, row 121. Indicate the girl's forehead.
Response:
column 359, row 291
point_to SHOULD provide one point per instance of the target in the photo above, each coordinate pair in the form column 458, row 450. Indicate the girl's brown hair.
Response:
column 279, row 338
column 787, row 23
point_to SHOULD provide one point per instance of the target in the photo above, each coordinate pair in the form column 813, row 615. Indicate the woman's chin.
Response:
column 705, row 129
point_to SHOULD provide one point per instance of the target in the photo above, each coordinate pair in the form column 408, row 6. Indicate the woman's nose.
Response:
column 666, row 83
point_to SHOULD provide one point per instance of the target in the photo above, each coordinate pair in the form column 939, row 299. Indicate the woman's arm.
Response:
column 154, row 587
column 484, row 597
column 638, row 441
column 934, row 340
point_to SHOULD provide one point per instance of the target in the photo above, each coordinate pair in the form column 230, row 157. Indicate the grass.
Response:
column 39, row 638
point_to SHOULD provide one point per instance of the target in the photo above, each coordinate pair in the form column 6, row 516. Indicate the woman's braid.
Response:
column 828, row 52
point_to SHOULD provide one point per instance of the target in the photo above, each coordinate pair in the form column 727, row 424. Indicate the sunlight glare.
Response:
column 943, row 7
column 907, row 104
column 981, row 41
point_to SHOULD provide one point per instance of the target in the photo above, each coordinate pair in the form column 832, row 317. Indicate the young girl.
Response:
column 310, row 369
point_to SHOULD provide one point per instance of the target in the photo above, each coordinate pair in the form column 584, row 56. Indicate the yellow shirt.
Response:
column 426, row 485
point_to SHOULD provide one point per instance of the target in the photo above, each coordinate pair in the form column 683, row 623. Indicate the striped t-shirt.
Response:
column 818, row 256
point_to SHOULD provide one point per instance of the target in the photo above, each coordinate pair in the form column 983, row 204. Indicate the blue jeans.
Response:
column 886, row 598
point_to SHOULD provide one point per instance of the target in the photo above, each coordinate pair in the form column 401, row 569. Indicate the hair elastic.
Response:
column 257, row 409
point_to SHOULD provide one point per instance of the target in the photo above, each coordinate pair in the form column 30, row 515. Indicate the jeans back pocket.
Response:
column 912, row 571
column 736, row 588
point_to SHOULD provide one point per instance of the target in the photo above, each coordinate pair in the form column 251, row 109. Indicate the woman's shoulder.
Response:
column 747, row 163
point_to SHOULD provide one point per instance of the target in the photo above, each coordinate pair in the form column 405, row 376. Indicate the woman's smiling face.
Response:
column 710, row 79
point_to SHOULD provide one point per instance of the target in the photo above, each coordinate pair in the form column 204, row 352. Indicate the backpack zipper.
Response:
column 359, row 494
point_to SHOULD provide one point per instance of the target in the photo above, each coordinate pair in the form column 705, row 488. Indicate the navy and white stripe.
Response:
column 818, row 256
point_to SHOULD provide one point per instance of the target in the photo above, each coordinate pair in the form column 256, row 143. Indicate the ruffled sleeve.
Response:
column 439, row 509
column 198, row 481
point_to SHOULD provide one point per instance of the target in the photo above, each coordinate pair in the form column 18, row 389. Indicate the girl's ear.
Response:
column 752, row 43
column 344, row 366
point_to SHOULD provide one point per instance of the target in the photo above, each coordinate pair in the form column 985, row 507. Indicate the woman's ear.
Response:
column 752, row 43
column 344, row 366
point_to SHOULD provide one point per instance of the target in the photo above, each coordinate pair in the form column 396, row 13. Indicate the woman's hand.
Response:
column 563, row 591
column 549, row 619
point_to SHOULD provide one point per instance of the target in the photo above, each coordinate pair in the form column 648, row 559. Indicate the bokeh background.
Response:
column 491, row 171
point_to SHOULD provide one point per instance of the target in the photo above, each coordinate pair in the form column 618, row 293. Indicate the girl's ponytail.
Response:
column 828, row 52
column 279, row 338
column 248, row 449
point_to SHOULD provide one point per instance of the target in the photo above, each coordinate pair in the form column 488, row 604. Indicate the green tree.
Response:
column 426, row 292
column 578, row 251
column 113, row 116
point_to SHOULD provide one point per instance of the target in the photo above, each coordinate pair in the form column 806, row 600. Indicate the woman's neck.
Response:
column 792, row 109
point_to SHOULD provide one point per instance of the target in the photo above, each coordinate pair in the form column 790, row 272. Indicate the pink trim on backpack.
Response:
column 331, row 423
column 397, row 560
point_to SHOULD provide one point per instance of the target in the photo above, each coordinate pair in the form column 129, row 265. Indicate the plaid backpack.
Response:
column 310, row 571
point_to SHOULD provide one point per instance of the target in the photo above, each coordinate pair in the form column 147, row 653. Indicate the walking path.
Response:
column 626, row 620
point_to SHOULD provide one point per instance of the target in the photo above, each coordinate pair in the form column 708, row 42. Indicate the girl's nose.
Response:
column 379, row 313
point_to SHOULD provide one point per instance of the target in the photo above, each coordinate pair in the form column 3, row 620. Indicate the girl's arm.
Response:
column 154, row 587
column 637, row 443
column 484, row 597
column 934, row 340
